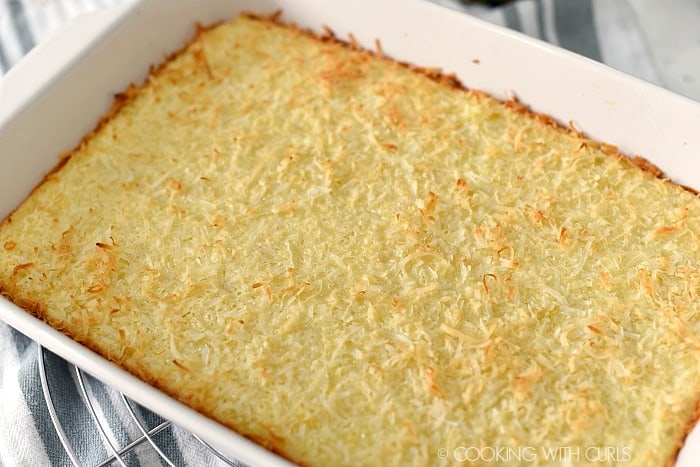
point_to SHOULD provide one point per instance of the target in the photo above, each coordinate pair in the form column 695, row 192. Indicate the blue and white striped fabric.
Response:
column 24, row 23
column 603, row 31
column 607, row 31
column 29, row 438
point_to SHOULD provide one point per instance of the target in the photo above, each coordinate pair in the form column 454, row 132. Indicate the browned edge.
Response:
column 435, row 74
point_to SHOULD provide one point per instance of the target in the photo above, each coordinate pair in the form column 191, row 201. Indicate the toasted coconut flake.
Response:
column 352, row 260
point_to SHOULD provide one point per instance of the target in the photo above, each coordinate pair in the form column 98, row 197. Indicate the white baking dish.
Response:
column 53, row 97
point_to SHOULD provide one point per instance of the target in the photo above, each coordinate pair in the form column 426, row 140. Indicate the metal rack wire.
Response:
column 150, row 435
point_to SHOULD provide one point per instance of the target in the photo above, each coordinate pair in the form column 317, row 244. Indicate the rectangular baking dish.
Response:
column 59, row 91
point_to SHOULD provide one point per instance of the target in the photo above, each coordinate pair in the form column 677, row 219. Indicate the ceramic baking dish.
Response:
column 59, row 91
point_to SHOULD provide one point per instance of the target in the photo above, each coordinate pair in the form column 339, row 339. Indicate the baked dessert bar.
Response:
column 354, row 261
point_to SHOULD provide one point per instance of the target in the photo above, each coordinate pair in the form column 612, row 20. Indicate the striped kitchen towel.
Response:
column 24, row 23
column 606, row 31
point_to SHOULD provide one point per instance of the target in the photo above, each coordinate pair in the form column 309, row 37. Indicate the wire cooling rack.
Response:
column 150, row 436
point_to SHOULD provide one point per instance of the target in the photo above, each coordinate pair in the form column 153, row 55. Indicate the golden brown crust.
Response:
column 451, row 80
column 647, row 166
column 436, row 74
column 693, row 422
column 273, row 443
column 491, row 282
